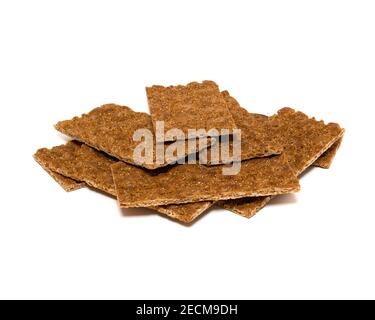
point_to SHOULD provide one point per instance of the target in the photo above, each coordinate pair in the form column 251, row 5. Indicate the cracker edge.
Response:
column 267, row 199
column 153, row 166
column 185, row 86
column 59, row 178
column 67, row 183
column 326, row 159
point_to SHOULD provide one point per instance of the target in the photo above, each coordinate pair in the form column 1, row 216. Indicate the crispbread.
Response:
column 66, row 183
column 80, row 163
column 327, row 157
column 84, row 163
column 110, row 129
column 194, row 106
column 137, row 187
column 257, row 139
column 304, row 140
column 324, row 161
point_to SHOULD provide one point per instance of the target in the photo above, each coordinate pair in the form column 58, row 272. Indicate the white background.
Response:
column 59, row 59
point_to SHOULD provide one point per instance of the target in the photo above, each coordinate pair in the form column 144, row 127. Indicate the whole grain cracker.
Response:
column 81, row 163
column 326, row 159
column 84, row 163
column 193, row 183
column 66, row 183
column 304, row 139
column 110, row 129
column 257, row 139
column 194, row 106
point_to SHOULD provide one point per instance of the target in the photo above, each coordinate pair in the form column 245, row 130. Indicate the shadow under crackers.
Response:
column 136, row 212
column 284, row 199
column 290, row 198
column 102, row 193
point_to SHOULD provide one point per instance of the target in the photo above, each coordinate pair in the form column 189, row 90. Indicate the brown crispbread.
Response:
column 257, row 139
column 84, row 163
column 141, row 159
column 326, row 159
column 66, row 183
column 304, row 140
column 194, row 106
column 81, row 163
column 193, row 183
column 110, row 129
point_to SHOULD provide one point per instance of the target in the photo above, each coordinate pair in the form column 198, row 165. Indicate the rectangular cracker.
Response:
column 193, row 183
column 304, row 139
column 84, row 163
column 81, row 163
column 243, row 118
column 194, row 106
column 110, row 129
column 257, row 139
column 66, row 183
column 326, row 159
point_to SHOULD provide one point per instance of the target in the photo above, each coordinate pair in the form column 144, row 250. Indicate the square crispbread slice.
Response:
column 194, row 106
column 66, row 183
column 245, row 119
column 304, row 139
column 110, row 129
column 193, row 183
column 84, row 163
column 257, row 139
column 326, row 159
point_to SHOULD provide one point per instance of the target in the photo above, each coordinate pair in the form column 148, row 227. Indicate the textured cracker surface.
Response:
column 66, row 183
column 327, row 157
column 257, row 139
column 194, row 106
column 193, row 183
column 80, row 163
column 84, row 163
column 304, row 140
column 110, row 129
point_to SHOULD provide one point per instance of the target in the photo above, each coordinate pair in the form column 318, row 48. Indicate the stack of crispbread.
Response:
column 275, row 150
